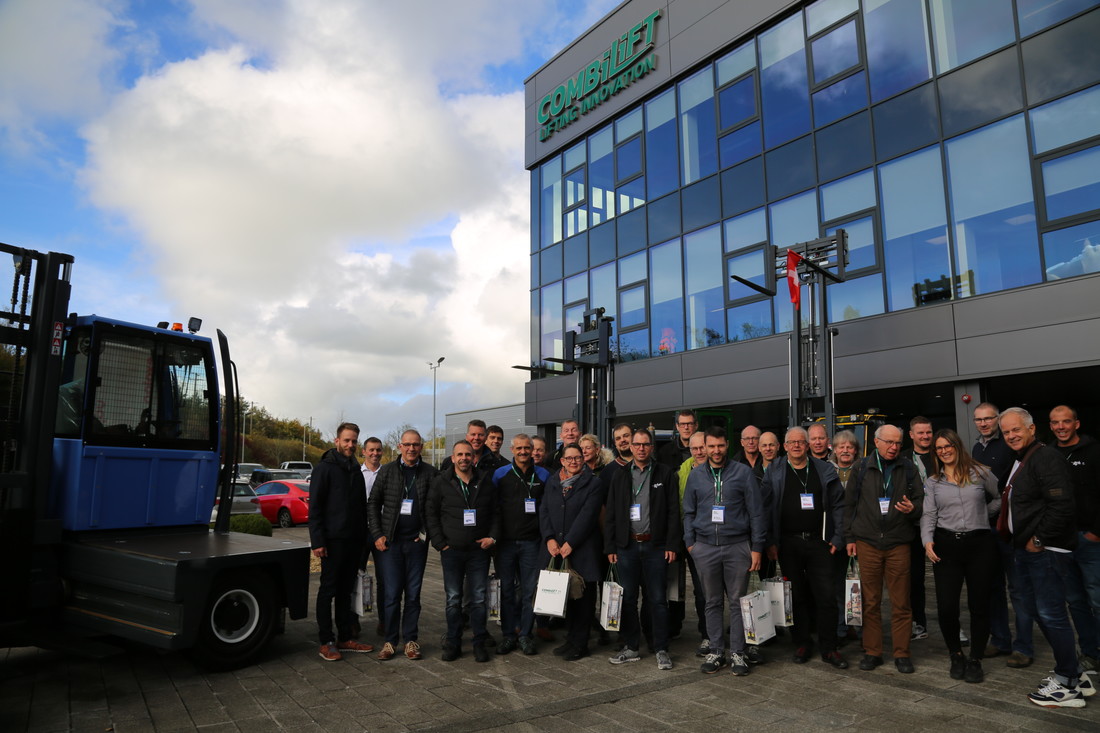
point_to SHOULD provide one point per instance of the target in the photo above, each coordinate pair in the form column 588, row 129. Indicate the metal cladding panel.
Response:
column 648, row 372
column 1062, row 301
column 656, row 397
column 732, row 388
column 711, row 25
column 895, row 331
column 1047, row 347
column 744, row 356
column 896, row 367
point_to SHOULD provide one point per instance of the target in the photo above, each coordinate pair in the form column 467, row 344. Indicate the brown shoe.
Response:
column 329, row 654
column 1016, row 660
column 387, row 652
column 351, row 645
column 412, row 650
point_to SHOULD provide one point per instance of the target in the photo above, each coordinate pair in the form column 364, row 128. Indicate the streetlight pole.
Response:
column 435, row 437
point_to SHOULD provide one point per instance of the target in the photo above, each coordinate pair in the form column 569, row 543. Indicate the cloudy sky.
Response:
column 336, row 184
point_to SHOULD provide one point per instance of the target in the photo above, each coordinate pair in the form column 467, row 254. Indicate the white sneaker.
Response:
column 626, row 654
column 964, row 640
column 1085, row 685
column 919, row 632
column 664, row 661
column 1053, row 694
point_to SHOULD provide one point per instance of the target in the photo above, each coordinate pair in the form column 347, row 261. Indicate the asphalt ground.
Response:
column 291, row 688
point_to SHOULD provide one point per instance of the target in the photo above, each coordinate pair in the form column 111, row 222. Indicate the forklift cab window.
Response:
column 70, row 402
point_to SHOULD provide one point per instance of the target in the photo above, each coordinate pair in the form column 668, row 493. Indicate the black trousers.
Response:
column 972, row 558
column 811, row 568
column 578, row 616
column 338, row 574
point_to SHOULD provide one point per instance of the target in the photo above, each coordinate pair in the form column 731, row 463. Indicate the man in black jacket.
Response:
column 676, row 451
column 642, row 532
column 460, row 516
column 1038, row 515
column 338, row 532
column 395, row 515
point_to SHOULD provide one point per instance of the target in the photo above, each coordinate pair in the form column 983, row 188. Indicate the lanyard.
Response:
column 795, row 471
column 638, row 489
column 530, row 484
column 717, row 475
column 409, row 483
column 465, row 491
column 885, row 479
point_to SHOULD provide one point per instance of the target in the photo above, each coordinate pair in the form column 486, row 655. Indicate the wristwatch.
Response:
column 1036, row 541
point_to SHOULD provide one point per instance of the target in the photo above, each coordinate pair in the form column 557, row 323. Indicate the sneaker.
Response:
column 963, row 639
column 994, row 651
column 387, row 652
column 801, row 655
column 1052, row 694
column 754, row 655
column 481, row 654
column 919, row 632
column 704, row 648
column 664, row 661
column 869, row 662
column 974, row 671
column 1016, row 660
column 451, row 652
column 1085, row 685
column 626, row 654
column 739, row 665
column 958, row 666
column 507, row 645
column 412, row 650
column 712, row 663
column 351, row 645
column 329, row 653
column 528, row 646
column 1089, row 664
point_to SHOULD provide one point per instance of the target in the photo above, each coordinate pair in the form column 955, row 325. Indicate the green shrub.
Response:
column 250, row 524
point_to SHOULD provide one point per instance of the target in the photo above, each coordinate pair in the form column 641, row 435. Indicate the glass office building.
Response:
column 956, row 141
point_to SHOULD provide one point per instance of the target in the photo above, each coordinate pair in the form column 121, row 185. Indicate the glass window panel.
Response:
column 628, row 159
column 634, row 345
column 834, row 52
column 629, row 124
column 603, row 289
column 1067, row 120
column 575, row 156
column 666, row 292
column 980, row 92
column 1072, row 183
column 736, row 62
column 576, row 288
column 536, row 323
column 745, row 230
column 914, row 225
column 551, row 320
column 844, row 147
column 906, row 123
column 963, row 30
column 576, row 255
column 743, row 187
column 535, row 280
column 840, row 99
column 632, row 307
column 749, row 266
column 705, row 306
column 737, row 102
column 783, row 310
column 601, row 245
column 897, row 45
column 631, row 232
column 861, row 243
column 631, row 195
column 536, row 215
column 702, row 204
column 551, row 207
column 824, row 13
column 855, row 298
column 576, row 221
column 574, row 317
column 664, row 218
column 601, row 176
column 750, row 321
column 794, row 220
column 854, row 193
column 632, row 269
column 739, row 145
column 697, row 132
column 1073, row 251
column 791, row 168
column 1063, row 58
column 992, row 209
column 1038, row 14
column 551, row 264
column 784, row 90
column 662, row 166
column 574, row 187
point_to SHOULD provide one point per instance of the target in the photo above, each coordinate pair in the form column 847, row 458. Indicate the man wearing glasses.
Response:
column 642, row 534
column 678, row 450
column 396, row 514
column 750, row 451
column 883, row 506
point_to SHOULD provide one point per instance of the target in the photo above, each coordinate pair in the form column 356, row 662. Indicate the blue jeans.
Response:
column 460, row 566
column 642, row 565
column 402, row 567
column 1041, row 581
column 1083, row 594
column 518, row 560
column 1025, row 617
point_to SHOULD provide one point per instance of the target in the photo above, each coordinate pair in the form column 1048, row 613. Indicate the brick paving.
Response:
column 140, row 689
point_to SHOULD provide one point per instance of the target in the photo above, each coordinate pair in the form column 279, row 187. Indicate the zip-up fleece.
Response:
column 745, row 516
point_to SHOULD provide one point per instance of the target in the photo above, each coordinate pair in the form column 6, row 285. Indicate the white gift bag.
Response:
column 494, row 597
column 779, row 591
column 853, row 596
column 552, row 592
column 362, row 601
column 756, row 615
column 611, row 602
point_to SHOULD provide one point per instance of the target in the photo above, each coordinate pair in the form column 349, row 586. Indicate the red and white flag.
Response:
column 793, row 258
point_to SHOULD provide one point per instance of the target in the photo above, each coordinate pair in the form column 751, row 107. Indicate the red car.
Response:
column 285, row 503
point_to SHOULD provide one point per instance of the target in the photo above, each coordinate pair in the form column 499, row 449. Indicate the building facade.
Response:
column 957, row 143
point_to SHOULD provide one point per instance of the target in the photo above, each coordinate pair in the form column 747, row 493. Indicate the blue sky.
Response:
column 336, row 184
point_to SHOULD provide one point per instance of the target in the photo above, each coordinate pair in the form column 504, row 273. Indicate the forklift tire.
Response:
column 285, row 520
column 239, row 619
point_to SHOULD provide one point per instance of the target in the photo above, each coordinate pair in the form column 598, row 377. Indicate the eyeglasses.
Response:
column 984, row 419
column 794, row 442
column 411, row 445
column 572, row 458
column 685, row 424
column 750, row 440
column 945, row 448
column 642, row 445
column 888, row 442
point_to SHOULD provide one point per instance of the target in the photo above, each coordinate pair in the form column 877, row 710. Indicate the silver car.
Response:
column 244, row 501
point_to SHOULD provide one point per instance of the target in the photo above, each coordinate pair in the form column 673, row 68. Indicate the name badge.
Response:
column 635, row 512
column 807, row 500
column 407, row 506
column 884, row 505
column 469, row 517
column 529, row 506
column 718, row 514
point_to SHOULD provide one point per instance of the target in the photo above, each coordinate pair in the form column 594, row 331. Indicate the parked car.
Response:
column 297, row 466
column 244, row 501
column 263, row 475
column 284, row 503
column 244, row 470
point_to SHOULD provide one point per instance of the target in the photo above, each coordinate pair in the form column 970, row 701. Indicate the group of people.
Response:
column 1011, row 513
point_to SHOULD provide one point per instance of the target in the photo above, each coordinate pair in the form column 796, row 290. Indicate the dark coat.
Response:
column 446, row 506
column 384, row 506
column 664, row 509
column 337, row 501
column 775, row 483
column 511, row 521
column 862, row 518
column 574, row 519
column 1042, row 499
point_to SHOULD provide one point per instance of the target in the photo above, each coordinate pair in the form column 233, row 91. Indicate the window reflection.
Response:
column 576, row 255
column 854, row 193
column 824, row 13
column 834, row 52
column 628, row 125
column 748, row 266
column 981, row 92
column 576, row 220
column 551, row 207
column 1073, row 251
column 745, row 230
column 1046, row 71
column 855, row 298
column 662, row 166
column 550, row 263
column 906, row 122
column 736, row 63
column 1067, row 120
column 551, row 320
column 666, row 310
column 743, row 187
column 705, row 306
column 794, row 220
column 897, row 45
column 601, row 176
column 603, row 287
column 634, row 345
column 784, row 91
column 790, row 168
column 630, row 235
column 1038, row 14
column 601, row 245
column 861, row 242
column 737, row 102
column 632, row 307
column 628, row 159
column 844, row 147
column 663, row 216
column 750, row 321
column 697, row 133
column 701, row 204
column 963, row 31
column 632, row 269
column 739, row 145
column 840, row 99
column 631, row 195
column 1072, row 183
column 576, row 288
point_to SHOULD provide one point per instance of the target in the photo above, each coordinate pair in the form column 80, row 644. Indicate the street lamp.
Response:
column 435, row 368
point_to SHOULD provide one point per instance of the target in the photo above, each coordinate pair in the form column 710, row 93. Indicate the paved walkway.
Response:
column 292, row 689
